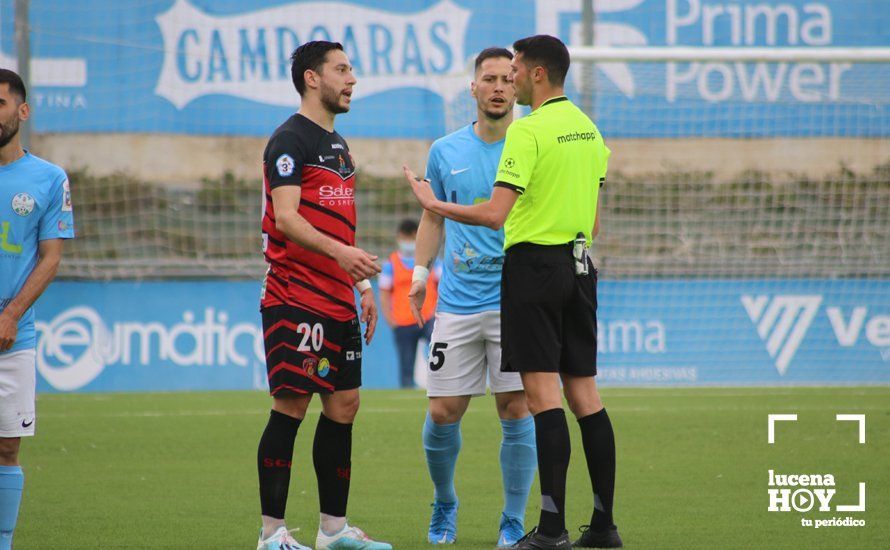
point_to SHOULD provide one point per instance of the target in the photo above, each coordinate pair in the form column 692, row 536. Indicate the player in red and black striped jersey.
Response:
column 302, row 153
column 310, row 323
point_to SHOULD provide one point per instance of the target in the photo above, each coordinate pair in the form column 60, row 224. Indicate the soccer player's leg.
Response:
column 599, row 450
column 292, row 381
column 17, row 420
column 518, row 456
column 441, row 444
column 340, row 364
column 578, row 371
column 535, row 285
column 455, row 373
column 11, row 483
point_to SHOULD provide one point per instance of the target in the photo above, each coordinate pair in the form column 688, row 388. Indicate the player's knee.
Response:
column 350, row 407
column 343, row 408
column 512, row 406
column 448, row 410
column 293, row 407
column 444, row 415
column 540, row 403
column 9, row 452
column 583, row 404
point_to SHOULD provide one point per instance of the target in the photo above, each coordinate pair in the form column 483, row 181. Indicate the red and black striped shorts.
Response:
column 307, row 353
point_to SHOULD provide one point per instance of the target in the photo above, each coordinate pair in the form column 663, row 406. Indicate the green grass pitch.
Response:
column 179, row 470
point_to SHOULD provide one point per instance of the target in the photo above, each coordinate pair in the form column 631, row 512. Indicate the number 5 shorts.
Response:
column 549, row 312
column 307, row 353
column 465, row 352
column 17, row 385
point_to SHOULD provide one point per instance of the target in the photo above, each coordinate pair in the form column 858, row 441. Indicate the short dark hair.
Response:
column 489, row 53
column 310, row 56
column 548, row 52
column 16, row 85
column 407, row 227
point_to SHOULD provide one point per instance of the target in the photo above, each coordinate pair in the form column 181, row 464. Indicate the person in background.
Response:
column 395, row 283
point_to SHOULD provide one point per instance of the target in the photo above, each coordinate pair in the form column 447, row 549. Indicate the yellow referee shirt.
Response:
column 556, row 159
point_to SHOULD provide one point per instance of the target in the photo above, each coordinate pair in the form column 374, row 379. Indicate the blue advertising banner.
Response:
column 165, row 336
column 221, row 67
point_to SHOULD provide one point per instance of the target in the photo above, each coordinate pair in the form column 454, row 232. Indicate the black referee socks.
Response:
column 332, row 456
column 554, row 450
column 599, row 449
column 274, row 457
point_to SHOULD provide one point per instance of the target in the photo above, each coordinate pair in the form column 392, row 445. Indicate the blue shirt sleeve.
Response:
column 57, row 220
column 385, row 279
column 434, row 173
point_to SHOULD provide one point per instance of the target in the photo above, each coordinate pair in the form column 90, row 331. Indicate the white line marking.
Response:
column 771, row 425
column 855, row 418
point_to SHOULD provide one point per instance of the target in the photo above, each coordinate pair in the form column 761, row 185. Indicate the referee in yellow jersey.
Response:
column 550, row 173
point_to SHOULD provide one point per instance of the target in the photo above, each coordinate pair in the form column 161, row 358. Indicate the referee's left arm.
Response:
column 596, row 222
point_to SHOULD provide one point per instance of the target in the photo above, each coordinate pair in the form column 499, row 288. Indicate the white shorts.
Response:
column 463, row 349
column 18, row 380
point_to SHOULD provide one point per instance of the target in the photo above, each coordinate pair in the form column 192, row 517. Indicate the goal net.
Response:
column 756, row 162
column 745, row 216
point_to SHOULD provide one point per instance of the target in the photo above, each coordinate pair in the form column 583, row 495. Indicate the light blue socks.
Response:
column 519, row 461
column 442, row 442
column 11, row 482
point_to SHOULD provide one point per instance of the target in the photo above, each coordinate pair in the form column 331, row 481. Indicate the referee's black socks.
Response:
column 332, row 456
column 554, row 449
column 599, row 449
column 274, row 457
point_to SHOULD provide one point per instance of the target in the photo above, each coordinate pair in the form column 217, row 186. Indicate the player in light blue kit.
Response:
column 35, row 215
column 466, row 339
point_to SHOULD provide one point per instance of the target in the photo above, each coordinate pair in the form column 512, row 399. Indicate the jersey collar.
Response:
column 552, row 100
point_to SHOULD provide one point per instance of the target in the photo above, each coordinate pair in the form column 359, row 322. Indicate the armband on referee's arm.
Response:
column 421, row 274
column 363, row 285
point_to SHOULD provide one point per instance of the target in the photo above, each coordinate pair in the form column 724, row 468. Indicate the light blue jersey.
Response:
column 461, row 168
column 35, row 205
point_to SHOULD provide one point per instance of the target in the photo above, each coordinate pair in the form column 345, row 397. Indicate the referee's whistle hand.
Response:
column 421, row 188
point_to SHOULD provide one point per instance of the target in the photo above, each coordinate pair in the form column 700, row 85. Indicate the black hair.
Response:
column 489, row 53
column 310, row 56
column 548, row 52
column 407, row 227
column 16, row 85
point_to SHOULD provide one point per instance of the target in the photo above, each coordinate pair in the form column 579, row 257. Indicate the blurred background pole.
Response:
column 23, row 58
column 587, row 69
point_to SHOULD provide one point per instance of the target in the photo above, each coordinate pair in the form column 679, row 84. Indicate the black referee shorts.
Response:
column 548, row 314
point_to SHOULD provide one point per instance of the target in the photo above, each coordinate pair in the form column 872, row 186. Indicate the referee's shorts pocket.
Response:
column 535, row 284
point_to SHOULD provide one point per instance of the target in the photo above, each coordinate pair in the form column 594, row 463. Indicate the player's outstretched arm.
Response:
column 491, row 213
column 49, row 256
column 429, row 235
column 355, row 261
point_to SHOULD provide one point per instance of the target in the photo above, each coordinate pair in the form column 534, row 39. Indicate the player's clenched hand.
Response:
column 358, row 263
column 369, row 314
column 8, row 330
column 421, row 188
column 416, row 297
